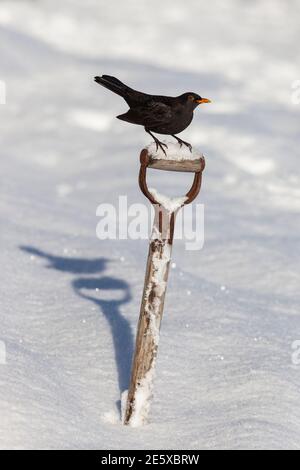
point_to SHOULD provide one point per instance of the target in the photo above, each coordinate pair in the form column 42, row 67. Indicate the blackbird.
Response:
column 159, row 114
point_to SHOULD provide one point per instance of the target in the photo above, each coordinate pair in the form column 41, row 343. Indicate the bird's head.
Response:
column 193, row 99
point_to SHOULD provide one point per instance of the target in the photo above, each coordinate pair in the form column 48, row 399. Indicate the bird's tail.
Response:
column 114, row 85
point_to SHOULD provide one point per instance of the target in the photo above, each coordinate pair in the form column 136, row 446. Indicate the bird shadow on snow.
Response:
column 120, row 327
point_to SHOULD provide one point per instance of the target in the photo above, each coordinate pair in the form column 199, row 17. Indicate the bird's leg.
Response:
column 159, row 144
column 182, row 142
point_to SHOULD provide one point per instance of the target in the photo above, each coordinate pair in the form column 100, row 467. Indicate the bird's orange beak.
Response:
column 203, row 100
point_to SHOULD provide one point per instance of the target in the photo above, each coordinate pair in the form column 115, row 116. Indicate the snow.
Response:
column 230, row 380
column 142, row 400
column 124, row 397
column 173, row 151
column 170, row 204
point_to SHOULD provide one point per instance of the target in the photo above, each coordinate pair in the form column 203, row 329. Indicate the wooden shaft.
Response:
column 151, row 312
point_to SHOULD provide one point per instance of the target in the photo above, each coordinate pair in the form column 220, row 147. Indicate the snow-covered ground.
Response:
column 70, row 302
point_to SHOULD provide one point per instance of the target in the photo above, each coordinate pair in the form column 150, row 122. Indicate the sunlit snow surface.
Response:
column 69, row 302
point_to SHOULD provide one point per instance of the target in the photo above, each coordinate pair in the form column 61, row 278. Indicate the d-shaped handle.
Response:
column 191, row 166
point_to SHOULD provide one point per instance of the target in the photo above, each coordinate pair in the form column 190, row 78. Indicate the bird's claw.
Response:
column 182, row 142
column 189, row 146
column 161, row 145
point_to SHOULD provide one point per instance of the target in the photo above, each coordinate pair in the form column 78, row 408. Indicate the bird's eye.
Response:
column 190, row 98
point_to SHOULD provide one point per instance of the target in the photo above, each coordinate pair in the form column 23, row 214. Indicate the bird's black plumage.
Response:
column 160, row 114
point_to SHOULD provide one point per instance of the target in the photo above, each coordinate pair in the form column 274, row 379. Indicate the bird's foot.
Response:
column 183, row 142
column 161, row 145
column 158, row 143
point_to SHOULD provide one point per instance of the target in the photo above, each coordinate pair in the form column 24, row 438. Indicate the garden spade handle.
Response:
column 158, row 263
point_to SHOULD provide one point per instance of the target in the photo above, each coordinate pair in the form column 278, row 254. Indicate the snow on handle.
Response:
column 171, row 204
column 176, row 159
column 174, row 152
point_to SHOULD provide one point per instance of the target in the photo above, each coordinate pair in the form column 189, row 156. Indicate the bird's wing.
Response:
column 157, row 115
column 150, row 115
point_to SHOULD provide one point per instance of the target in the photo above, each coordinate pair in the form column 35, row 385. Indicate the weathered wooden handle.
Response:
column 147, row 162
column 185, row 165
column 159, row 257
